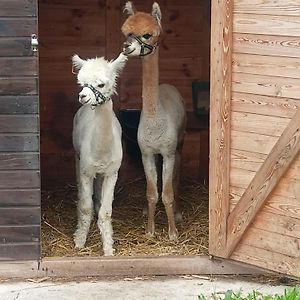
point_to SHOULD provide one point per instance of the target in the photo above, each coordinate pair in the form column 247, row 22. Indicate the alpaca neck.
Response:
column 103, row 127
column 150, row 84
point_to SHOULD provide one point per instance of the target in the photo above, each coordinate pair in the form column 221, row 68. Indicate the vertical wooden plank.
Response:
column 221, row 52
column 113, row 36
column 113, row 28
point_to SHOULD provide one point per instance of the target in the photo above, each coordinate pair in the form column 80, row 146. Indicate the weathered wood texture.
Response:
column 266, row 24
column 17, row 27
column 19, row 216
column 17, row 233
column 270, row 106
column 221, row 48
column 19, row 133
column 19, row 251
column 266, row 178
column 81, row 267
column 145, row 266
column 263, row 225
column 17, row 8
column 19, row 161
column 265, row 65
column 92, row 28
column 19, row 124
column 13, row 105
column 268, row 7
column 267, row 44
column 17, row 197
column 19, row 179
column 15, row 47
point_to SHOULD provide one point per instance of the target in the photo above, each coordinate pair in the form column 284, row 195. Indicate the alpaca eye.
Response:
column 101, row 85
column 147, row 36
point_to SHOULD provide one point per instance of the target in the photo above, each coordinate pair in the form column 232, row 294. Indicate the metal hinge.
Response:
column 34, row 42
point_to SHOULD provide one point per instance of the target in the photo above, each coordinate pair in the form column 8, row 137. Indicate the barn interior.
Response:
column 92, row 28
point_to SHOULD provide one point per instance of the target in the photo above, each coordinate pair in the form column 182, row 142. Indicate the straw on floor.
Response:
column 59, row 223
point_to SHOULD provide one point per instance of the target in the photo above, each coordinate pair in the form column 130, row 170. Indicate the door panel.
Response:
column 255, row 135
column 19, row 133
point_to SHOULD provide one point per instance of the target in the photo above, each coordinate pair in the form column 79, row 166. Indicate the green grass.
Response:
column 289, row 294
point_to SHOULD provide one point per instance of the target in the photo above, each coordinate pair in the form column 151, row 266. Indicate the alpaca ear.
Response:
column 77, row 62
column 129, row 8
column 156, row 13
column 119, row 63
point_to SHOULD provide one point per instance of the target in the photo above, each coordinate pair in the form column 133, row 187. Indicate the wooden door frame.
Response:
column 220, row 101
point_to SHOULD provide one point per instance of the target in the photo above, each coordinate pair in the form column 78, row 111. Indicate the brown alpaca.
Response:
column 162, row 123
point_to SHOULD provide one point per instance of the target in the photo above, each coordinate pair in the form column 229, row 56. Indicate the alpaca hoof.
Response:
column 149, row 234
column 109, row 252
column 79, row 241
column 178, row 216
column 150, row 230
column 79, row 246
column 173, row 235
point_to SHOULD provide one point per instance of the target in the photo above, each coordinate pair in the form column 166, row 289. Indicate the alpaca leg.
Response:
column 168, row 194
column 97, row 193
column 152, row 194
column 176, row 182
column 84, row 209
column 77, row 168
column 104, row 216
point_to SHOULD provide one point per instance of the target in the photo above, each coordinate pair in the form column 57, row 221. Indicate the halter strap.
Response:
column 100, row 98
column 144, row 46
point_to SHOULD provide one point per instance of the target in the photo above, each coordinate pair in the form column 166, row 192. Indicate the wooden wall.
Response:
column 19, row 133
column 65, row 28
column 265, row 97
column 92, row 28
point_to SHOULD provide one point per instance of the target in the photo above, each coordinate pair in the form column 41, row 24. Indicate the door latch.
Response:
column 34, row 42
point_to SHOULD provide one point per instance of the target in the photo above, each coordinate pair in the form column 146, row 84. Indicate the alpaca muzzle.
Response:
column 145, row 49
column 99, row 97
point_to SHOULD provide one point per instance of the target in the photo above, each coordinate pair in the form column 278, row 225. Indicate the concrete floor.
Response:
column 169, row 288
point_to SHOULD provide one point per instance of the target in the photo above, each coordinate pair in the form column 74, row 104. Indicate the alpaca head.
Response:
column 98, row 78
column 141, row 30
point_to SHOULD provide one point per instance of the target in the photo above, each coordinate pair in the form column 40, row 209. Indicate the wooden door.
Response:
column 255, row 133
column 19, row 133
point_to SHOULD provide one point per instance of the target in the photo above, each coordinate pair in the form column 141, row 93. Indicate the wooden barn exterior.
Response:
column 254, row 75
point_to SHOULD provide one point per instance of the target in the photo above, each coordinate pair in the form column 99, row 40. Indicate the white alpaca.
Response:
column 97, row 143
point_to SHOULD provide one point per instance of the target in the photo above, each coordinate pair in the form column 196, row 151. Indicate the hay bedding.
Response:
column 59, row 222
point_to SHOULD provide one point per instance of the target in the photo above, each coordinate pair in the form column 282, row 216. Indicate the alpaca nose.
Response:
column 82, row 98
column 127, row 46
column 128, row 42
